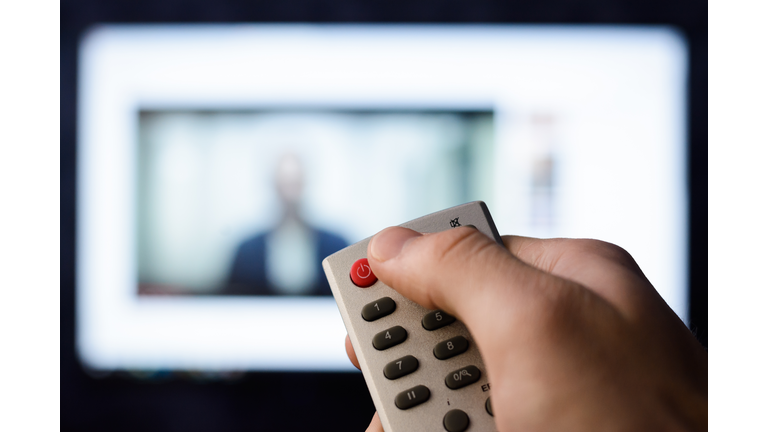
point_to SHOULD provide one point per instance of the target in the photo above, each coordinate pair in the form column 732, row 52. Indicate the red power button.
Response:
column 361, row 273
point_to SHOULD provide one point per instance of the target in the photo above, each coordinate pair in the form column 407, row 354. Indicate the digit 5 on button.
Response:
column 361, row 273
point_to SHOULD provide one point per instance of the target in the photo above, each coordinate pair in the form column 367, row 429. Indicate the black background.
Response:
column 321, row 401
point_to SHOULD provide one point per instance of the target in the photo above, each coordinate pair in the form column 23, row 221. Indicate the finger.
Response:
column 375, row 425
column 550, row 254
column 351, row 352
column 461, row 271
column 540, row 253
column 601, row 267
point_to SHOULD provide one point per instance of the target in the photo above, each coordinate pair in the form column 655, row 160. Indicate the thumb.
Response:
column 460, row 271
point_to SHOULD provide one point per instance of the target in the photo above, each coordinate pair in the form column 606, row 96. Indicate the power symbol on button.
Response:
column 361, row 273
column 363, row 269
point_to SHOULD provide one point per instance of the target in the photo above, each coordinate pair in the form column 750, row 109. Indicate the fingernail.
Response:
column 388, row 243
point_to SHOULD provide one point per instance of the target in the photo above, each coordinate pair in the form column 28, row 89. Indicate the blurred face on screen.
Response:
column 289, row 180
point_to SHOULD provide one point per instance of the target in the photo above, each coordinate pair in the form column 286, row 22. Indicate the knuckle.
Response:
column 608, row 251
column 455, row 245
column 558, row 311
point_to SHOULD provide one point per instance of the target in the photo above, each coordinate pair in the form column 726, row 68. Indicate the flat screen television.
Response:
column 219, row 164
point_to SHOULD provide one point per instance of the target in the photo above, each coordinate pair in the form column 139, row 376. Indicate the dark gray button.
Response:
column 436, row 319
column 462, row 377
column 412, row 397
column 380, row 308
column 488, row 406
column 389, row 338
column 456, row 421
column 401, row 367
column 450, row 348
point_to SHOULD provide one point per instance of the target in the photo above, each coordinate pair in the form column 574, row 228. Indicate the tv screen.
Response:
column 250, row 202
column 218, row 165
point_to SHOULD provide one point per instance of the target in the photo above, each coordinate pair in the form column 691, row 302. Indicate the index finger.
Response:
column 351, row 352
column 601, row 267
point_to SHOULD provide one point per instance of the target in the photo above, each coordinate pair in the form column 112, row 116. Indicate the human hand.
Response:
column 574, row 337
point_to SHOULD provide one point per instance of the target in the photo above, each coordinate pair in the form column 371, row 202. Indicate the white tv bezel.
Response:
column 126, row 68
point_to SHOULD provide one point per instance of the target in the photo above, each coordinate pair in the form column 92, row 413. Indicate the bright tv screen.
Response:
column 218, row 165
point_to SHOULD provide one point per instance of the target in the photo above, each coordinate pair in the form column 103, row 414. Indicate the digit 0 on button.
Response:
column 361, row 273
column 462, row 377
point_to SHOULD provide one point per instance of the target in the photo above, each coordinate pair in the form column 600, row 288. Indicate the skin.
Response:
column 574, row 336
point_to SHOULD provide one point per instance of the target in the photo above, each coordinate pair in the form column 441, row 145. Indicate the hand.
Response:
column 574, row 337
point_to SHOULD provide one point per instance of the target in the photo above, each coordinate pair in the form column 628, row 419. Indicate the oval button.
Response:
column 412, row 397
column 436, row 319
column 378, row 309
column 450, row 348
column 456, row 421
column 401, row 367
column 389, row 338
column 361, row 273
column 462, row 377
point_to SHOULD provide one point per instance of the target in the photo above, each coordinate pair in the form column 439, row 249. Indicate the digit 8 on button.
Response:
column 361, row 273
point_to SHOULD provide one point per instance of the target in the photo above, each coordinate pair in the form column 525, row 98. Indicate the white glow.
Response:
column 617, row 95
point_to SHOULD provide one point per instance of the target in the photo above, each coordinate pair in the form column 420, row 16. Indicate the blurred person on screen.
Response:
column 285, row 260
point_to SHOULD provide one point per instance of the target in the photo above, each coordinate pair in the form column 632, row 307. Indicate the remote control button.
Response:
column 389, row 338
column 456, row 421
column 361, row 273
column 412, row 397
column 488, row 406
column 436, row 319
column 401, row 367
column 462, row 377
column 378, row 309
column 451, row 348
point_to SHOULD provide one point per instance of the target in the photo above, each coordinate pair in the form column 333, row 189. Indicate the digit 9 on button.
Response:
column 361, row 273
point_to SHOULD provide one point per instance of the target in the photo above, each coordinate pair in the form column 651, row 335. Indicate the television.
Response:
column 219, row 164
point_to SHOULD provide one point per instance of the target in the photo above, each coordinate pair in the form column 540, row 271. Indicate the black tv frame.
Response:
column 300, row 401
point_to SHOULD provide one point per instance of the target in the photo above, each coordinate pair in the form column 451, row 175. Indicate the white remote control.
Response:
column 422, row 367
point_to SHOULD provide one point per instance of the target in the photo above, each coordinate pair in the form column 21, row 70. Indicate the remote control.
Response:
column 421, row 366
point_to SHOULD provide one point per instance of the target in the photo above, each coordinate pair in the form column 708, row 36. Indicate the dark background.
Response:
column 320, row 401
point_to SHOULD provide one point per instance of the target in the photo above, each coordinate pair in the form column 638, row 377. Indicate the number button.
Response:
column 488, row 407
column 456, row 421
column 389, row 338
column 412, row 397
column 436, row 319
column 462, row 377
column 378, row 309
column 451, row 348
column 401, row 367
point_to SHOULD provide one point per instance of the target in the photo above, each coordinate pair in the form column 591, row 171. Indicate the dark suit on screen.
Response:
column 248, row 274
